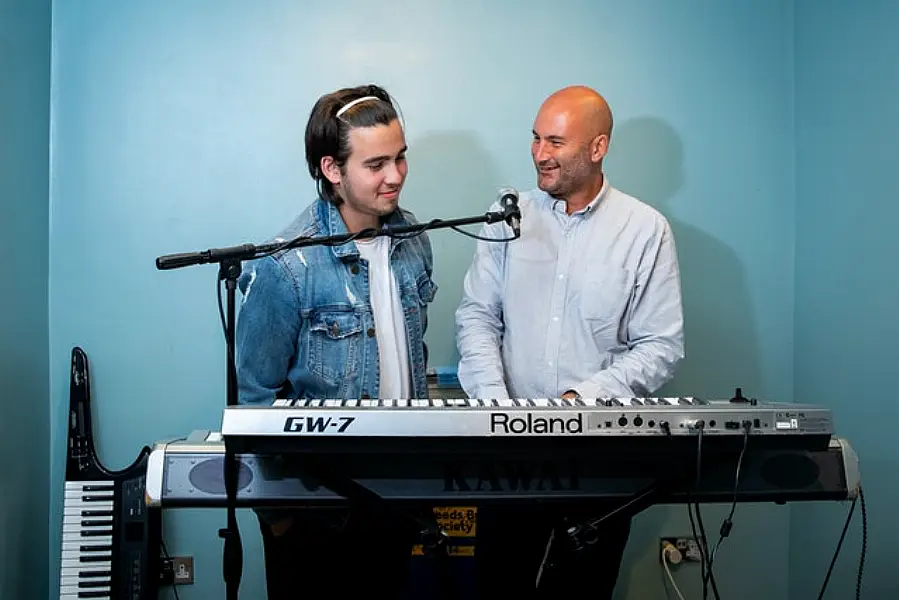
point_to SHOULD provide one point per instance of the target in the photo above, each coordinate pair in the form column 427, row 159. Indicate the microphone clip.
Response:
column 508, row 200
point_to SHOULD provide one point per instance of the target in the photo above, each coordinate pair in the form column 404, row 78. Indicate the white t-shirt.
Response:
column 390, row 326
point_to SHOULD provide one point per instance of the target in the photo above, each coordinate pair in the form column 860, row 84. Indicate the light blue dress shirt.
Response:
column 589, row 302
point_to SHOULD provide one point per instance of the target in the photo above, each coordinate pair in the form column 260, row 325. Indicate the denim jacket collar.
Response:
column 330, row 222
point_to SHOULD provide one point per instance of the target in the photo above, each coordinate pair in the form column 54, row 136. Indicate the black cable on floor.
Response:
column 836, row 554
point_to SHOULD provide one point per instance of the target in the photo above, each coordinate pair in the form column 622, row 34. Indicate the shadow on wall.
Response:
column 646, row 160
column 451, row 175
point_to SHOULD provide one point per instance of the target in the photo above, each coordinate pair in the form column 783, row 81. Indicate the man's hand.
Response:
column 571, row 395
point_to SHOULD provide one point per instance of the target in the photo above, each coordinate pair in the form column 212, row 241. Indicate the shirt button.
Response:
column 550, row 363
column 561, row 277
column 371, row 332
column 555, row 318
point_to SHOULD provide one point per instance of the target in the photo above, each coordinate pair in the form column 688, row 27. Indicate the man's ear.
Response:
column 330, row 169
column 599, row 148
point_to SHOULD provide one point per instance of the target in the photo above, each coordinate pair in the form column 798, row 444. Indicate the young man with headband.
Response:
column 342, row 321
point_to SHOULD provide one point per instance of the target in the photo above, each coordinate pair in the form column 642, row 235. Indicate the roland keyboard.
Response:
column 188, row 474
column 595, row 424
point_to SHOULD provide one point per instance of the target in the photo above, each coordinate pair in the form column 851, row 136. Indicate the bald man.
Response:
column 585, row 304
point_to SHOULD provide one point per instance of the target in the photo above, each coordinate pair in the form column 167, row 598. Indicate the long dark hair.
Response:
column 328, row 133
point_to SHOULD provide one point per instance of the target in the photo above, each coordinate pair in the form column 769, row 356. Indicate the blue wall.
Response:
column 847, row 284
column 179, row 127
column 24, row 339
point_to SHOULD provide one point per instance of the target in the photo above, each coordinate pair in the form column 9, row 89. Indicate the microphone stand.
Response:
column 229, row 260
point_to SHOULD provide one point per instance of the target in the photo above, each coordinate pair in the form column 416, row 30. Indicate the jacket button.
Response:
column 371, row 332
column 354, row 269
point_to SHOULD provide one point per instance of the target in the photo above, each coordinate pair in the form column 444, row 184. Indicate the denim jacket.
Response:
column 306, row 328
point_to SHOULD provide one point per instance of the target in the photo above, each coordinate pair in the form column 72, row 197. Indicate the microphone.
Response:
column 508, row 199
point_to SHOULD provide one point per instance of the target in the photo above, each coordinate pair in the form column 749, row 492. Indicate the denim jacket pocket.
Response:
column 335, row 337
column 427, row 289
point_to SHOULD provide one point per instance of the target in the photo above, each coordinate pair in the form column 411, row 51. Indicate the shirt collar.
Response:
column 560, row 205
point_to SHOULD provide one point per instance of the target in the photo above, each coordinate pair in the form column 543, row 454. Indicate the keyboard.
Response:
column 188, row 474
column 105, row 553
column 327, row 425
column 110, row 538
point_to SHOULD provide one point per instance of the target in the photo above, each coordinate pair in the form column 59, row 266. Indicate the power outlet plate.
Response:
column 183, row 570
column 687, row 545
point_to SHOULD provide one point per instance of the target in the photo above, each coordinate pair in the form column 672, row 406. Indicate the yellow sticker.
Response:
column 457, row 521
column 418, row 550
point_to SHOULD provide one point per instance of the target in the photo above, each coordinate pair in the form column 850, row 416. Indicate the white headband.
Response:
column 350, row 105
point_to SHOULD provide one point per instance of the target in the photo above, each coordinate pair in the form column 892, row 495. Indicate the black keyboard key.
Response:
column 97, row 558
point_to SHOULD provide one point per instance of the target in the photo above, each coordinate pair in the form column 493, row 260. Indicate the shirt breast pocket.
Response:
column 605, row 296
column 335, row 339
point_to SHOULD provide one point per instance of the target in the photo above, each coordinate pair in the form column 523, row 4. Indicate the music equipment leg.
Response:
column 232, row 555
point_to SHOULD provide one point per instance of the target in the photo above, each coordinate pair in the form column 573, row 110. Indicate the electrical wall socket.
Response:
column 183, row 569
column 687, row 545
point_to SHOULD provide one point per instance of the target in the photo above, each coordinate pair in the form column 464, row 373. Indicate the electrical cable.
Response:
column 700, row 537
column 727, row 523
column 836, row 554
column 165, row 553
column 667, row 551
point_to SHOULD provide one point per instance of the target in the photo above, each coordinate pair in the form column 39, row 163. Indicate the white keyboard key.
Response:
column 77, row 554
column 98, row 493
column 74, row 581
column 80, row 507
column 73, row 591
column 80, row 520
column 80, row 566
column 98, row 571
column 87, row 546
column 87, row 530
